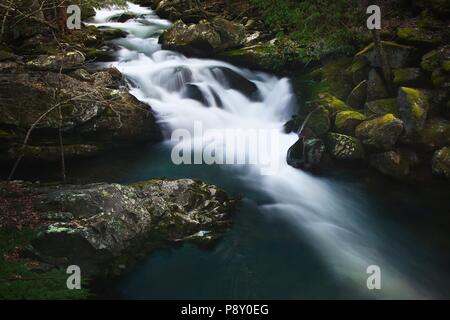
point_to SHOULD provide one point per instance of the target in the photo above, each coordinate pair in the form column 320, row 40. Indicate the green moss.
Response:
column 346, row 121
column 418, row 36
column 416, row 99
column 18, row 280
column 371, row 46
column 381, row 107
column 445, row 65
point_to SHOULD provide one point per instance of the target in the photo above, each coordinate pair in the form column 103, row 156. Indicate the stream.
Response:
column 296, row 236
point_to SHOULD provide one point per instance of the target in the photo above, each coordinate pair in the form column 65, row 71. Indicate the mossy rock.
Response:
column 413, row 107
column 435, row 134
column 440, row 78
column 382, row 107
column 343, row 147
column 376, row 87
column 347, row 121
column 306, row 154
column 418, row 37
column 445, row 65
column 433, row 59
column 380, row 133
column 359, row 69
column 398, row 55
column 337, row 78
column 330, row 102
column 319, row 121
column 391, row 163
column 408, row 77
column 358, row 96
column 441, row 162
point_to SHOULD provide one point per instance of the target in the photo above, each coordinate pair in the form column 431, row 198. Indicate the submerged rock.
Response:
column 441, row 162
column 380, row 133
column 342, row 147
column 96, row 226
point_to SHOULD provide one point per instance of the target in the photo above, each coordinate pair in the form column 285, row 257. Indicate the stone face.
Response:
column 70, row 60
column 306, row 154
column 342, row 147
column 106, row 222
column 381, row 107
column 376, row 88
column 413, row 107
column 441, row 162
column 380, row 133
column 347, row 121
column 407, row 76
column 398, row 55
column 391, row 163
column 358, row 96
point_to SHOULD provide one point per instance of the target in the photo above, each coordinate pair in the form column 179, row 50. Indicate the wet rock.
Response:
column 342, row 147
column 391, row 163
column 408, row 77
column 398, row 55
column 376, row 88
column 381, row 107
column 319, row 121
column 413, row 107
column 358, row 96
column 347, row 121
column 380, row 133
column 66, row 61
column 306, row 154
column 232, row 34
column 441, row 162
column 233, row 80
column 106, row 224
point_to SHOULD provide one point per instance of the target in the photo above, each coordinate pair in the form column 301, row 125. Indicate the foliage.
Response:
column 19, row 281
column 320, row 27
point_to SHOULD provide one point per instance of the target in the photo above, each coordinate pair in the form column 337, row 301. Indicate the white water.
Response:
column 336, row 224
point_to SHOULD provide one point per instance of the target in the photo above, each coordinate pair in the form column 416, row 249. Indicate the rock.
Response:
column 376, row 88
column 433, row 59
column 123, row 17
column 329, row 102
column 391, row 163
column 398, row 55
column 233, row 80
column 418, row 37
column 381, row 107
column 441, row 162
column 440, row 78
column 380, row 133
column 336, row 79
column 195, row 39
column 67, row 61
column 342, row 147
column 319, row 121
column 110, row 223
column 359, row 70
column 408, row 77
column 7, row 56
column 81, row 74
column 358, row 96
column 109, row 34
column 232, row 34
column 306, row 154
column 413, row 107
column 435, row 134
column 347, row 121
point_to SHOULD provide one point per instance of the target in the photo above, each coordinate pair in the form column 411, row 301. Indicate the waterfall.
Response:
column 221, row 96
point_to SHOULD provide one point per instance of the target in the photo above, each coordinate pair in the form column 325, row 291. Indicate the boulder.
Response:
column 380, row 133
column 435, row 134
column 358, row 96
column 441, row 162
column 359, row 69
column 232, row 34
column 319, row 121
column 381, row 107
column 419, row 37
column 434, row 59
column 347, row 121
column 342, row 147
column 398, row 55
column 440, row 78
column 66, row 61
column 413, row 107
column 376, row 88
column 306, row 154
column 391, row 163
column 408, row 77
column 329, row 102
column 97, row 225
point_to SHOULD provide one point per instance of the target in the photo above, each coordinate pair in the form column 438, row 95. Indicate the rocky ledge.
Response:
column 105, row 227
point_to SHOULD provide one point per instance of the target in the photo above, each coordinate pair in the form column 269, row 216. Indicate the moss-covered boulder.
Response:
column 435, row 134
column 391, row 163
column 376, row 87
column 381, row 107
column 380, row 133
column 398, row 55
column 408, row 77
column 441, row 162
column 343, row 147
column 66, row 61
column 319, row 121
column 359, row 69
column 358, row 96
column 419, row 37
column 97, row 226
column 329, row 102
column 413, row 107
column 347, row 121
column 434, row 59
column 306, row 154
column 440, row 78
